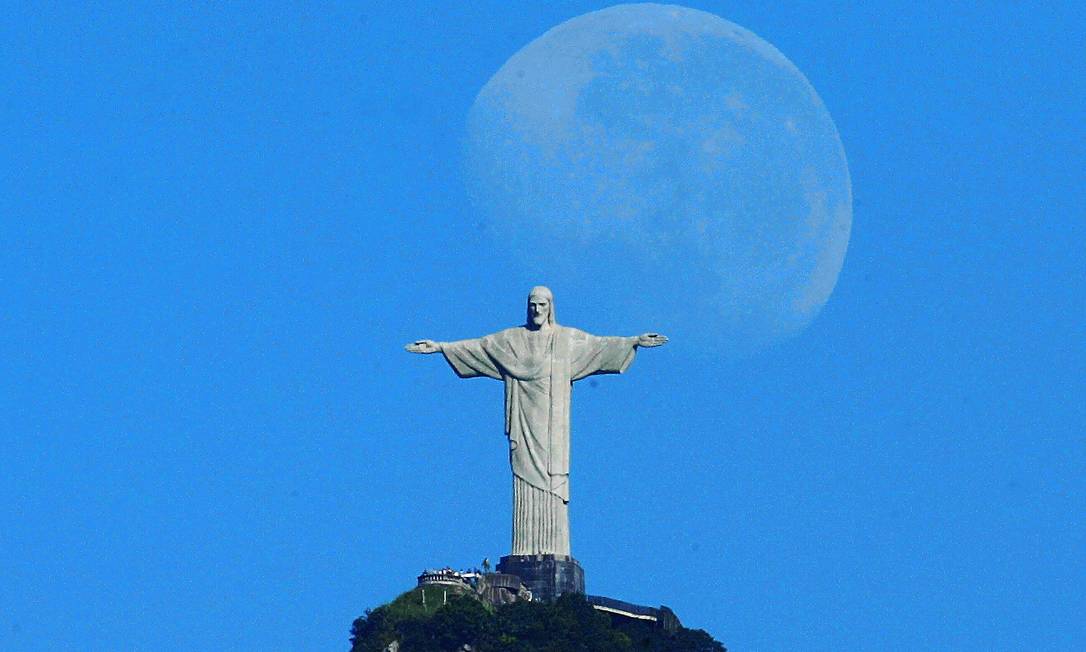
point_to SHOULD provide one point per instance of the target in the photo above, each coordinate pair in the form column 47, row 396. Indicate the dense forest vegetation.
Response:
column 462, row 622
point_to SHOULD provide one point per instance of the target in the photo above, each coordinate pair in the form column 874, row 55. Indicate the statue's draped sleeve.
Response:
column 469, row 359
column 592, row 354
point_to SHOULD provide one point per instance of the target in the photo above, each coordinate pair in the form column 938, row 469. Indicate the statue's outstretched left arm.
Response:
column 649, row 340
column 608, row 355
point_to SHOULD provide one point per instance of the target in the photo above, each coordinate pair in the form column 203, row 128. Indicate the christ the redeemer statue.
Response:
column 538, row 363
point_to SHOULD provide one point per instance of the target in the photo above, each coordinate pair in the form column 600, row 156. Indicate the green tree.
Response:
column 570, row 624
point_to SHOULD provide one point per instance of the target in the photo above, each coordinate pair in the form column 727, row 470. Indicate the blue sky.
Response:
column 220, row 225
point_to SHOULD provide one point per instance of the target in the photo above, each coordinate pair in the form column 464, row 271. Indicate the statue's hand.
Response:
column 651, row 339
column 423, row 346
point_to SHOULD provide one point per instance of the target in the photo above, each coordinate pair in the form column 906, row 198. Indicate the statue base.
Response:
column 546, row 576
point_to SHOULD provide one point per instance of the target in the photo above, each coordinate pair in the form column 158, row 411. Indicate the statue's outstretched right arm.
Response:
column 423, row 346
column 468, row 358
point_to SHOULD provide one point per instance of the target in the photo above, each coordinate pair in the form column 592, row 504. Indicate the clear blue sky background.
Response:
column 218, row 226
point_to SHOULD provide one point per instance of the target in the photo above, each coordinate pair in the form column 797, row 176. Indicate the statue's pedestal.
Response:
column 546, row 576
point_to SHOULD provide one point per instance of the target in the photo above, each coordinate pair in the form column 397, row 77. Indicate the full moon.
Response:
column 669, row 165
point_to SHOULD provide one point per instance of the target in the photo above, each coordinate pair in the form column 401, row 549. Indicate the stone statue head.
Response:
column 540, row 308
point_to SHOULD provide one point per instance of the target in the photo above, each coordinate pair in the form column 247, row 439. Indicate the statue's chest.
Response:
column 537, row 351
column 535, row 356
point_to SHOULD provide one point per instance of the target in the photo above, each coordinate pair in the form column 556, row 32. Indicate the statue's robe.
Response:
column 538, row 368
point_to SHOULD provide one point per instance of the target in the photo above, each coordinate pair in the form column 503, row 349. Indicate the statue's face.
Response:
column 539, row 308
